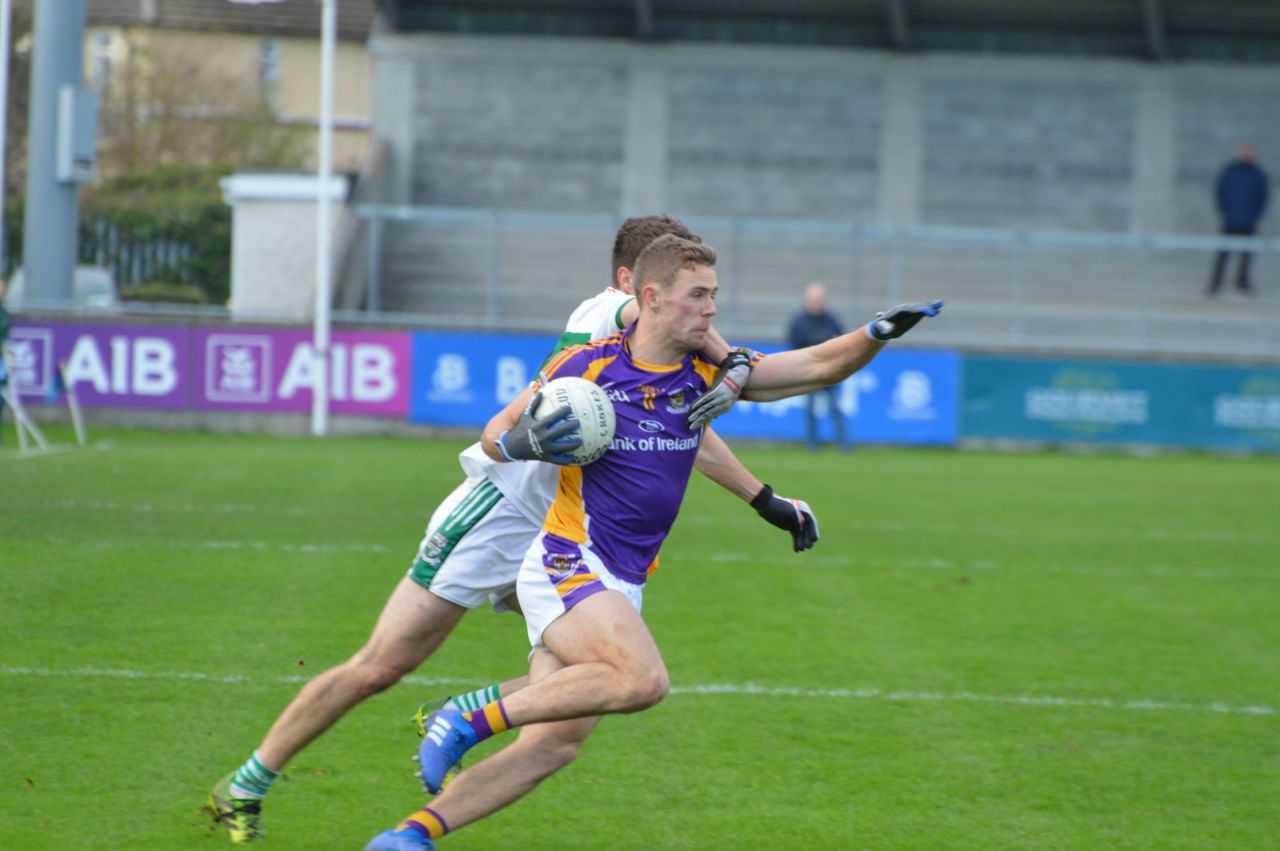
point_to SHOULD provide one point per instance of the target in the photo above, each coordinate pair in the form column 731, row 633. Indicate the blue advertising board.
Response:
column 904, row 396
column 1084, row 401
column 463, row 379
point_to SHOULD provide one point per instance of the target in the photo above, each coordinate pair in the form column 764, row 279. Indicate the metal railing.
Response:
column 1020, row 289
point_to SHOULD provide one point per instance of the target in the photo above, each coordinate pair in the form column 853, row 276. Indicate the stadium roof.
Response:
column 1222, row 30
column 277, row 18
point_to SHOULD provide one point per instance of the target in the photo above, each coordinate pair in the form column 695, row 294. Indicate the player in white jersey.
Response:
column 471, row 555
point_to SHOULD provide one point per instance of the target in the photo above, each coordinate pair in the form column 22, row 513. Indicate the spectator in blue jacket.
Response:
column 810, row 327
column 1242, row 199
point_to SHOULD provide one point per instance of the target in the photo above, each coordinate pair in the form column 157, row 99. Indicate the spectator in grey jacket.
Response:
column 1242, row 199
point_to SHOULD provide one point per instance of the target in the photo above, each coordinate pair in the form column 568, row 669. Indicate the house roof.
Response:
column 355, row 18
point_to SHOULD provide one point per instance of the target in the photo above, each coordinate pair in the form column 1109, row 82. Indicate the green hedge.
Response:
column 169, row 225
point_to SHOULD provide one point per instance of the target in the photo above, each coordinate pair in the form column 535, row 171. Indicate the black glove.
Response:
column 892, row 324
column 547, row 439
column 719, row 398
column 793, row 515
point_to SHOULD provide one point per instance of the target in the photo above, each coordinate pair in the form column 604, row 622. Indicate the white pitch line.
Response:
column 1160, row 533
column 109, row 673
column 172, row 508
column 28, row 454
column 256, row 546
column 746, row 689
column 1156, row 570
column 965, row 696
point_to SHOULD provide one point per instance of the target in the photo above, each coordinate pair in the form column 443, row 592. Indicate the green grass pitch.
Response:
column 983, row 651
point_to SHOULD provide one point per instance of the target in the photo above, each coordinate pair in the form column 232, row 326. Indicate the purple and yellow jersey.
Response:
column 625, row 503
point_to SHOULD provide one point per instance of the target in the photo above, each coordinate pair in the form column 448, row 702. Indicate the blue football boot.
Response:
column 448, row 737
column 401, row 839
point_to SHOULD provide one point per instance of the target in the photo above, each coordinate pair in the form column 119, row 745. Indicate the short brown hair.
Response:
column 638, row 231
column 662, row 260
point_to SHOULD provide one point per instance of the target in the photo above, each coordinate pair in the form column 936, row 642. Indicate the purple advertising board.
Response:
column 117, row 365
column 243, row 369
column 231, row 368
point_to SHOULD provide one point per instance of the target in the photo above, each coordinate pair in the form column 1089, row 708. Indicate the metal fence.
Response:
column 134, row 259
column 1024, row 290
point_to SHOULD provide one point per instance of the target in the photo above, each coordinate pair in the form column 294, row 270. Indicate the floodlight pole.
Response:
column 5, row 16
column 324, row 232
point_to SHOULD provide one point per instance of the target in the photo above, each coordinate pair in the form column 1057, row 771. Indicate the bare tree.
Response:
column 19, row 96
column 163, row 108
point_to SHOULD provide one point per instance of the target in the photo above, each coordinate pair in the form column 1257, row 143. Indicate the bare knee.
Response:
column 646, row 689
column 554, row 753
column 369, row 676
column 549, row 748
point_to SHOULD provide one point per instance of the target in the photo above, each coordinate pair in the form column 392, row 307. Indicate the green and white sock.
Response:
column 253, row 779
column 471, row 701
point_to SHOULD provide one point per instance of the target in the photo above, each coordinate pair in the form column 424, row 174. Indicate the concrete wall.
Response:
column 273, row 243
column 719, row 130
column 737, row 140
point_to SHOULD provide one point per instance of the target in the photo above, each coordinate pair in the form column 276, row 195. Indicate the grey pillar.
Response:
column 644, row 167
column 52, row 206
column 396, row 70
column 1155, row 158
column 900, row 181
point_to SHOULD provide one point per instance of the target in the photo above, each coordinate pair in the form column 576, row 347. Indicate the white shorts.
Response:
column 474, row 545
column 557, row 575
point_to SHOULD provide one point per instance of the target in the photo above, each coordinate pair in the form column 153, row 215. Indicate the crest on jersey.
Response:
column 433, row 547
column 559, row 564
column 679, row 400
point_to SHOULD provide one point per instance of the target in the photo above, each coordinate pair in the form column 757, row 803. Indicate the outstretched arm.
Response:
column 797, row 371
column 717, row 462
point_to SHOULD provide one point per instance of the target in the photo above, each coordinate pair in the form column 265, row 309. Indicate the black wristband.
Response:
column 737, row 357
column 763, row 498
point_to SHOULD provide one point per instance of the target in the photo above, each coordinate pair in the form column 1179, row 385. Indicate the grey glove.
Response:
column 793, row 515
column 719, row 398
column 531, row 439
column 892, row 324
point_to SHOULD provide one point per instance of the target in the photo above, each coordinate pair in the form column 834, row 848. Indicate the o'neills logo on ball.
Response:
column 602, row 419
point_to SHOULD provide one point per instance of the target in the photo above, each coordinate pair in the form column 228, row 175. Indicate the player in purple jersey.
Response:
column 581, row 580
column 471, row 554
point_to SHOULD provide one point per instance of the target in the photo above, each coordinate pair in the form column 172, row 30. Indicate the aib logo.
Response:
column 29, row 355
column 237, row 368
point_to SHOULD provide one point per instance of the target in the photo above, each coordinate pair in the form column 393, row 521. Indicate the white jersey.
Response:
column 531, row 485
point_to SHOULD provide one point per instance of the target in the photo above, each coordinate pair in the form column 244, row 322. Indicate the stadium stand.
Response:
column 1060, row 201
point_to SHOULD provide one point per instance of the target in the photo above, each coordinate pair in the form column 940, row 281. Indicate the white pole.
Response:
column 5, row 9
column 320, row 395
column 20, row 418
column 73, row 405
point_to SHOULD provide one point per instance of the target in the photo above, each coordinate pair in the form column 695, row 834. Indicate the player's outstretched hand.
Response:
column 547, row 439
column 892, row 324
column 793, row 515
column 726, row 389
